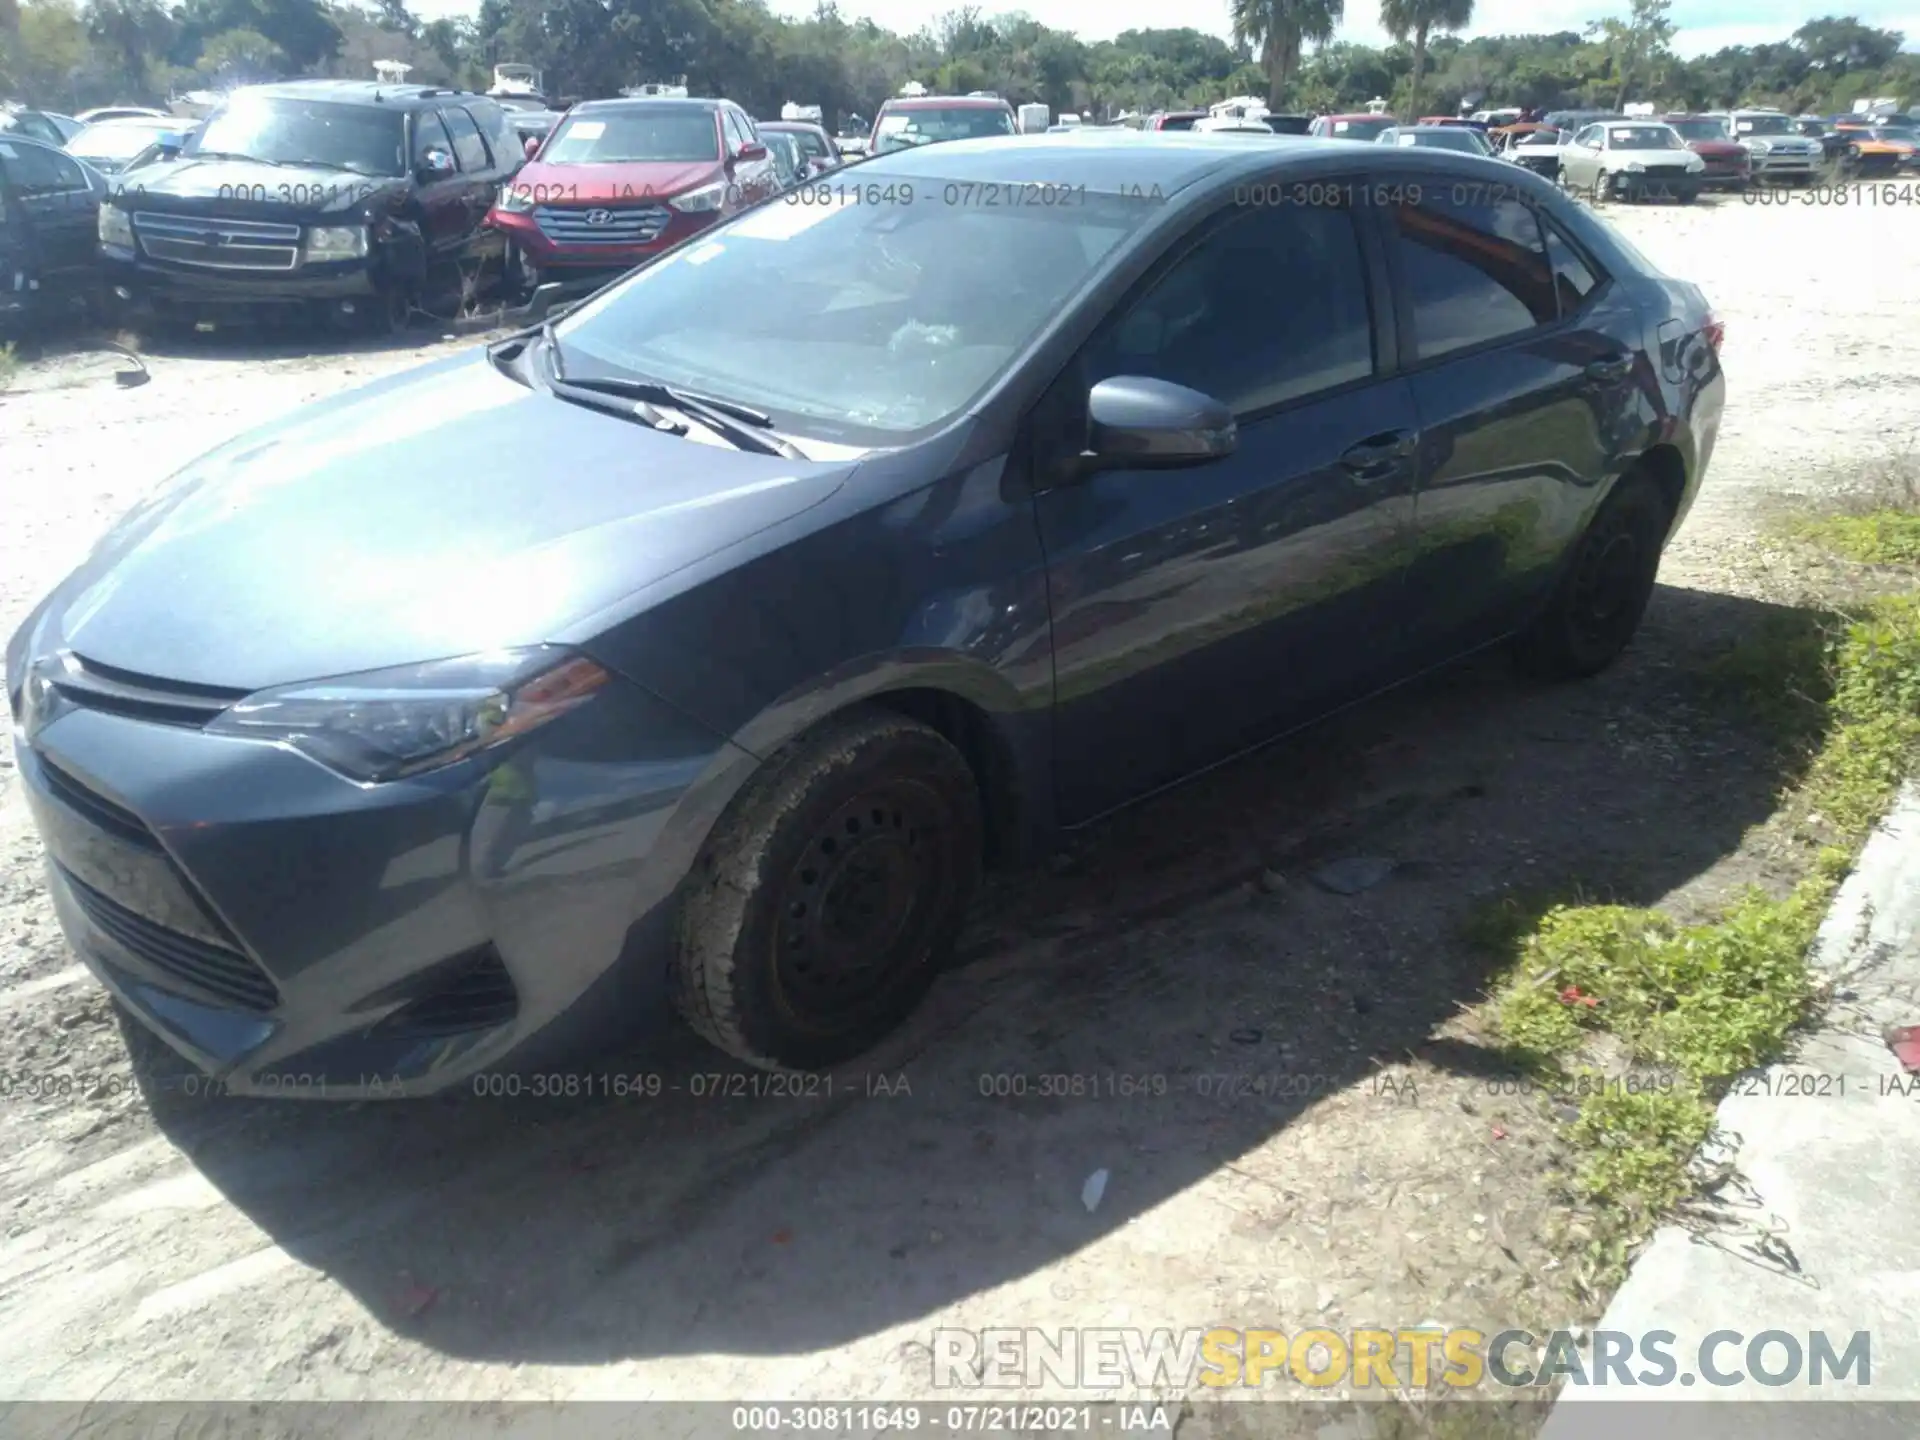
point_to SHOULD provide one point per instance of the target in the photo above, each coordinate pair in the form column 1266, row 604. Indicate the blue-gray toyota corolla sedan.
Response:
column 699, row 649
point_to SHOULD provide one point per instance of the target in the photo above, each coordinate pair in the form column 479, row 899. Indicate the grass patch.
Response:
column 1887, row 537
column 1697, row 1004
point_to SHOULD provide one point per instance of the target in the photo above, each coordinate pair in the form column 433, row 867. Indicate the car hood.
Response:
column 1780, row 142
column 1716, row 149
column 442, row 512
column 597, row 184
column 249, row 187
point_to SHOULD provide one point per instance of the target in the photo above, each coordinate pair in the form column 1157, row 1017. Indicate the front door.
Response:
column 1197, row 611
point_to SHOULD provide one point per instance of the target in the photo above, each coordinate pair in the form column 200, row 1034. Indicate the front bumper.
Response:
column 570, row 261
column 1787, row 167
column 154, row 285
column 293, row 933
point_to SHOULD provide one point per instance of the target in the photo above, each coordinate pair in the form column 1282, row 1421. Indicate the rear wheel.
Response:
column 1599, row 193
column 830, row 894
column 1598, row 605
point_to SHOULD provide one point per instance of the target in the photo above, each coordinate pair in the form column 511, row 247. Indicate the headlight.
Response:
column 706, row 198
column 385, row 724
column 1758, row 147
column 1634, row 167
column 514, row 201
column 116, row 227
column 336, row 242
column 1695, row 164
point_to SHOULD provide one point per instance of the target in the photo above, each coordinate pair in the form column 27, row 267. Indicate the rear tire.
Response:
column 829, row 895
column 1609, row 579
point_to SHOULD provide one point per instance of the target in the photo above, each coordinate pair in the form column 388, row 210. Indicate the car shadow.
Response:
column 1166, row 951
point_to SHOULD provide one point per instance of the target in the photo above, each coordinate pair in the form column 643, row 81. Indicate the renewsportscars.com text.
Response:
column 1421, row 1358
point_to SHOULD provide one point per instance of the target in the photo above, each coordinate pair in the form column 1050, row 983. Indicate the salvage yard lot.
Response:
column 1300, row 1124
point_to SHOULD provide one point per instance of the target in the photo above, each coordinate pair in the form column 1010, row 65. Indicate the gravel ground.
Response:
column 1316, row 1137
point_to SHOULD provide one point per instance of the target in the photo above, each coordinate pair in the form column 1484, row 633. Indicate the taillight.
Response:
column 1715, row 330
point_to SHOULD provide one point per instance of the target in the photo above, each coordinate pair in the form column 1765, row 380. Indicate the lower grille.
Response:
column 226, row 974
column 120, row 823
column 480, row 996
column 218, row 244
column 603, row 225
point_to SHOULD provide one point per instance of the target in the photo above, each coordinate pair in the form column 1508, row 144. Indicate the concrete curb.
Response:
column 1819, row 1228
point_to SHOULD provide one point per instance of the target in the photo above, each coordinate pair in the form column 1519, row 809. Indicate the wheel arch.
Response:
column 1004, row 737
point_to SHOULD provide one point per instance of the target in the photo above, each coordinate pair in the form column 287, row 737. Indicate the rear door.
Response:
column 443, row 202
column 1197, row 611
column 477, row 175
column 1525, row 365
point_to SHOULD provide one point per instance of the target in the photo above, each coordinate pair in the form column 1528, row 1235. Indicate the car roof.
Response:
column 1358, row 115
column 1129, row 161
column 781, row 125
column 943, row 102
column 623, row 103
column 360, row 92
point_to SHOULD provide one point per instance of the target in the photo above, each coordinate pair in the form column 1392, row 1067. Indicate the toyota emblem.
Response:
column 599, row 217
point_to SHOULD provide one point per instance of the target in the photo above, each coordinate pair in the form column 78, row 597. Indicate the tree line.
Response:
column 71, row 54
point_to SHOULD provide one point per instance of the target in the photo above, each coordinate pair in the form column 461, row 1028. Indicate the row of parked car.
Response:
column 360, row 201
column 356, row 200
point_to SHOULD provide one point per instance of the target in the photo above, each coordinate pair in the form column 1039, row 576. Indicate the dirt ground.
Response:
column 1251, row 1036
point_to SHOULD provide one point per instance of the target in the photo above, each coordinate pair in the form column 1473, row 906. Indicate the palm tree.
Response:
column 1418, row 19
column 1278, row 29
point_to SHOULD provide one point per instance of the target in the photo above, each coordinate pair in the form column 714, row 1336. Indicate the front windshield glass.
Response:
column 904, row 128
column 116, row 140
column 1700, row 129
column 864, row 321
column 517, row 102
column 286, row 131
column 1764, row 125
column 1642, row 137
column 670, row 133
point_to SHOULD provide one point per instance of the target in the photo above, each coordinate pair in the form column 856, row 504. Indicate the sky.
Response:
column 1703, row 26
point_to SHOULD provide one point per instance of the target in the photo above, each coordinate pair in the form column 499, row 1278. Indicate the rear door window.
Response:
column 1474, row 269
column 468, row 148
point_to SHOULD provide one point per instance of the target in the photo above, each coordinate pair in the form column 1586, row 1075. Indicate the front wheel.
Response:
column 1609, row 579
column 828, row 897
column 1599, row 193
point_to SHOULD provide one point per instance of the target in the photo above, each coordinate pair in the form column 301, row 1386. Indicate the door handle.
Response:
column 1614, row 367
column 1377, row 457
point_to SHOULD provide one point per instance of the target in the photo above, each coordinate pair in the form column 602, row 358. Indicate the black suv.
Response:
column 345, row 196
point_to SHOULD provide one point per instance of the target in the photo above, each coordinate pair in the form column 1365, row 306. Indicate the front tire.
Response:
column 830, row 894
column 1600, row 600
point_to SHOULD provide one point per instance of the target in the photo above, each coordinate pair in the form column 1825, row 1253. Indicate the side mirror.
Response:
column 531, row 147
column 752, row 150
column 436, row 164
column 170, row 146
column 1138, row 423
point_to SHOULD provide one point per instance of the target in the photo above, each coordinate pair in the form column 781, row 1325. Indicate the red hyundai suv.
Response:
column 619, row 181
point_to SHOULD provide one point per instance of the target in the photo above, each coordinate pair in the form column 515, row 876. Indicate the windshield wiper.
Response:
column 636, row 410
column 234, row 155
column 741, row 424
column 329, row 165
